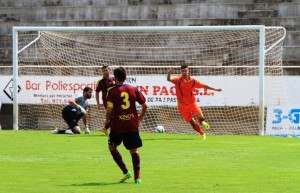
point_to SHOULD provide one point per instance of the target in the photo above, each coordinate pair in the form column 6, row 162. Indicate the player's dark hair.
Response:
column 120, row 74
column 87, row 89
column 184, row 66
column 105, row 66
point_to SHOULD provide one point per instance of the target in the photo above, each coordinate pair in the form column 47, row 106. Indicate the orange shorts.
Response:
column 188, row 111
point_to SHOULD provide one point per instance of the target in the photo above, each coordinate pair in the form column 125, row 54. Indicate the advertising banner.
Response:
column 283, row 121
column 58, row 90
column 237, row 90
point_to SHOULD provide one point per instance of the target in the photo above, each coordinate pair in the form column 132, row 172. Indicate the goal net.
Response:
column 55, row 64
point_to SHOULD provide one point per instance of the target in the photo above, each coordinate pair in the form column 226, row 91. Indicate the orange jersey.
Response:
column 184, row 89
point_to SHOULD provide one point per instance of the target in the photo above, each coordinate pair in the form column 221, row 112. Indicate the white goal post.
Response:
column 230, row 54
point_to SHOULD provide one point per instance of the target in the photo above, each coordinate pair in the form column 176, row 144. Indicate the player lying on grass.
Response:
column 121, row 100
column 74, row 111
column 187, row 106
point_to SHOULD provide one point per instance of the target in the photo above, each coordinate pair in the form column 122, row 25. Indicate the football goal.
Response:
column 53, row 64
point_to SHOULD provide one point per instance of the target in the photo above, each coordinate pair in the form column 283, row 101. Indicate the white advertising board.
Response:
column 157, row 90
column 283, row 121
column 237, row 91
column 58, row 90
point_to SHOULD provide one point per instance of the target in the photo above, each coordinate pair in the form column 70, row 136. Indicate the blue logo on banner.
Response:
column 293, row 116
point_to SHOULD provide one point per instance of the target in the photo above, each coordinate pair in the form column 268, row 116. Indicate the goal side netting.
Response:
column 55, row 65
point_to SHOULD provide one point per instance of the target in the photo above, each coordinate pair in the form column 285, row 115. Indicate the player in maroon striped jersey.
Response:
column 121, row 100
column 103, row 85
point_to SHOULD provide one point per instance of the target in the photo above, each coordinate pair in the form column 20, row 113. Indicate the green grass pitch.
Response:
column 37, row 161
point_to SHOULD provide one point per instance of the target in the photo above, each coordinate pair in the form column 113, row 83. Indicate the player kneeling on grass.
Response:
column 74, row 111
column 121, row 100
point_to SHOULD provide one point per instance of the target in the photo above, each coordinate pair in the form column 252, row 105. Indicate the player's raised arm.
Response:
column 211, row 88
column 169, row 74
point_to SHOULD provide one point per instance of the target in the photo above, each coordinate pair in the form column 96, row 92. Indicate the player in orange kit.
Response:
column 187, row 106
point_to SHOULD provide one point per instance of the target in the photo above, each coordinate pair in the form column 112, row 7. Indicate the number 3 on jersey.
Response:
column 125, row 100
